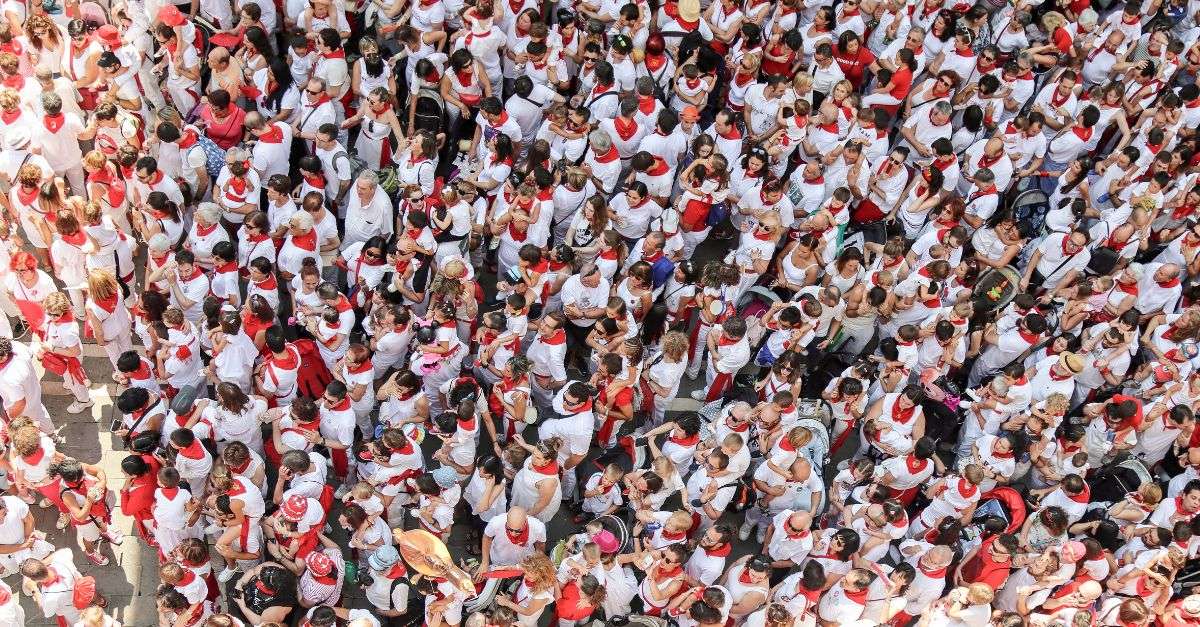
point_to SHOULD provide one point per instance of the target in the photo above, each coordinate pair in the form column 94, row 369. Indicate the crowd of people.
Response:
column 405, row 298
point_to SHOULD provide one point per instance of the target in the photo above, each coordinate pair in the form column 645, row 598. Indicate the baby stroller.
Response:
column 998, row 504
column 1029, row 209
column 995, row 289
column 1112, row 482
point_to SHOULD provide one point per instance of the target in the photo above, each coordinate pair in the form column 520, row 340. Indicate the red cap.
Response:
column 319, row 563
column 171, row 16
column 84, row 592
column 109, row 36
column 294, row 508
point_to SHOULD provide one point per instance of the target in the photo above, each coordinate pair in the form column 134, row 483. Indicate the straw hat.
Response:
column 1071, row 362
column 428, row 555
column 689, row 10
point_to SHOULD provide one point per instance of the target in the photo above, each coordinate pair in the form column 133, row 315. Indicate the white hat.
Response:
column 16, row 137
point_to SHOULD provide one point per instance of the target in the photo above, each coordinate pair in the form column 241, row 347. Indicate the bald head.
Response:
column 938, row 557
column 517, row 517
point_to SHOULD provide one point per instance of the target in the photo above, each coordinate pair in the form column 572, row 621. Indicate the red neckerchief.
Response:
column 52, row 577
column 987, row 162
column 360, row 368
column 15, row 82
column 900, row 414
column 196, row 273
column 933, row 574
column 685, row 441
column 1128, row 288
column 970, row 489
column 557, row 338
column 205, row 231
column 306, row 241
column 745, row 576
column 609, row 156
column 341, row 405
column 720, row 551
column 859, row 597
column 1084, row 496
column 550, row 469
column 188, row 138
column 315, row 180
column 10, row 116
column 170, row 493
column 914, row 464
column 1168, row 284
column 36, row 457
column 519, row 539
column 77, row 239
column 646, row 104
column 334, row 54
column 54, row 122
column 1083, row 133
column 1056, row 101
column 517, row 235
column 626, row 129
column 1032, row 338
column 999, row 455
column 195, row 450
column 268, row 284
column 273, row 135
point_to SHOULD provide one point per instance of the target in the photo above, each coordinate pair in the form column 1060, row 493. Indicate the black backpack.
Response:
column 429, row 113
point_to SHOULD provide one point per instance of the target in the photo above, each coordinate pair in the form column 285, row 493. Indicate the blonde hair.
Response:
column 980, row 593
column 56, row 304
column 539, row 571
column 1057, row 403
column 675, row 345
column 94, row 160
column 93, row 616
column 1151, row 493
column 102, row 284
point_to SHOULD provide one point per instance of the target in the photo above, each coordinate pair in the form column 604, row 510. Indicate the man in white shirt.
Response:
column 584, row 297
column 18, row 538
column 762, row 104
column 335, row 165
column 58, row 140
column 272, row 147
column 368, row 211
column 511, row 538
column 1057, row 261
column 317, row 109
column 527, row 107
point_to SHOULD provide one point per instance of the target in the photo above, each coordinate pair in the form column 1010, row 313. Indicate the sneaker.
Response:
column 699, row 395
column 19, row 328
column 114, row 536
column 62, row 522
column 744, row 531
column 77, row 407
column 227, row 574
column 96, row 558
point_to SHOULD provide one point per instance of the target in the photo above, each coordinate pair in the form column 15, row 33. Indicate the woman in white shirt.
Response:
column 107, row 314
column 998, row 242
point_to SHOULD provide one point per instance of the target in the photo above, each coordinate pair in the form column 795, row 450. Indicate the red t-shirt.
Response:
column 901, row 83
column 853, row 65
column 228, row 132
column 1062, row 39
column 983, row 569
